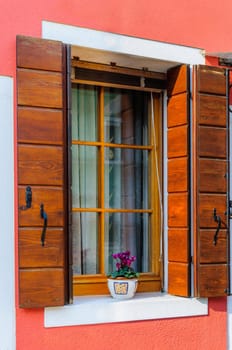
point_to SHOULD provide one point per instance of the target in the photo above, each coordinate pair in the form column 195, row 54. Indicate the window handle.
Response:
column 217, row 219
column 28, row 199
column 43, row 216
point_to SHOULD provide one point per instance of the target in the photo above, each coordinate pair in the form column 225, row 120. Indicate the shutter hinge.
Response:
column 230, row 207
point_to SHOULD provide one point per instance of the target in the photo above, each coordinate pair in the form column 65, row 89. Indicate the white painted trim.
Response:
column 144, row 306
column 122, row 44
column 7, row 270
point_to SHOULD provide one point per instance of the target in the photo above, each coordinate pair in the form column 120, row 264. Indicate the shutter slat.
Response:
column 206, row 204
column 178, row 175
column 177, row 110
column 31, row 254
column 39, row 88
column 178, row 206
column 41, row 287
column 178, row 245
column 218, row 253
column 212, row 175
column 209, row 285
column 211, row 142
column 212, row 110
column 31, row 53
column 211, row 80
column 40, row 165
column 41, row 74
column 53, row 200
column 48, row 124
column 178, row 141
column 178, row 277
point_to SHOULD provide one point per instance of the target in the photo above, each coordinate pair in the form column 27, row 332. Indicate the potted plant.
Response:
column 123, row 282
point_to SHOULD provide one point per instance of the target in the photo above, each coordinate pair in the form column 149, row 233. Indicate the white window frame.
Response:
column 104, row 47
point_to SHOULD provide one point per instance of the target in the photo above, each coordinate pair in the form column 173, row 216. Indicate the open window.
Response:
column 95, row 176
column 116, row 175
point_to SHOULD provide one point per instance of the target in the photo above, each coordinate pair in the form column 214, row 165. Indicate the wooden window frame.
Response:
column 148, row 282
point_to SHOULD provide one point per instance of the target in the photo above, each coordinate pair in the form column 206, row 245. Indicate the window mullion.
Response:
column 101, row 174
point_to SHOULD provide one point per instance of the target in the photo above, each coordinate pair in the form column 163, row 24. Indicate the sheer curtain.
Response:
column 84, row 179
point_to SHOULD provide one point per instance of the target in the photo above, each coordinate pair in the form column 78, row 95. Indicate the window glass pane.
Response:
column 126, row 178
column 128, row 231
column 84, row 176
column 84, row 113
column 85, row 243
column 126, row 116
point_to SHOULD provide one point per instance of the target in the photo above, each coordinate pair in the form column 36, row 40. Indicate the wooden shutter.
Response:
column 41, row 79
column 178, row 182
column 210, row 181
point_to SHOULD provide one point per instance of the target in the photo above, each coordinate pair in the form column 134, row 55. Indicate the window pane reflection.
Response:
column 126, row 178
column 126, row 116
column 84, row 176
column 128, row 231
column 85, row 243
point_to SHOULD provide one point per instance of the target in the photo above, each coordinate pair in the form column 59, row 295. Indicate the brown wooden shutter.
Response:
column 178, row 182
column 41, row 79
column 210, row 175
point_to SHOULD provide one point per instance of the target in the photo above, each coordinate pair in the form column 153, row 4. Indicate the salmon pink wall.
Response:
column 198, row 333
column 192, row 23
column 199, row 23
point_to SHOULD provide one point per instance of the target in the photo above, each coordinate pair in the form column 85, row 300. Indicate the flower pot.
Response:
column 122, row 288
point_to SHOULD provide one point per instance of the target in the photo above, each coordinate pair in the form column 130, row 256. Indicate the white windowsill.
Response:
column 104, row 309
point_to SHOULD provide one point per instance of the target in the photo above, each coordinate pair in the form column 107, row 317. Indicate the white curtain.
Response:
column 84, row 180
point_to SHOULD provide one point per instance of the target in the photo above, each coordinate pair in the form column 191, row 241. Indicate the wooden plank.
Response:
column 178, row 215
column 51, row 282
column 207, row 203
column 178, row 80
column 212, row 110
column 40, row 165
column 178, row 110
column 39, row 88
column 178, row 175
column 33, row 254
column 211, row 80
column 178, row 275
column 212, row 142
column 37, row 53
column 209, row 252
column 51, row 197
column 178, row 245
column 178, row 141
column 213, row 280
column 48, row 124
column 212, row 175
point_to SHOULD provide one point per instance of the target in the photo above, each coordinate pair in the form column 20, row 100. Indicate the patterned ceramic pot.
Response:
column 122, row 288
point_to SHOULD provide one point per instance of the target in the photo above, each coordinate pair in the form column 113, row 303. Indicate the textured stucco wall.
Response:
column 197, row 333
column 198, row 23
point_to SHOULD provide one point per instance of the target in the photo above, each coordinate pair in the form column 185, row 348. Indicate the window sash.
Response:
column 152, row 278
